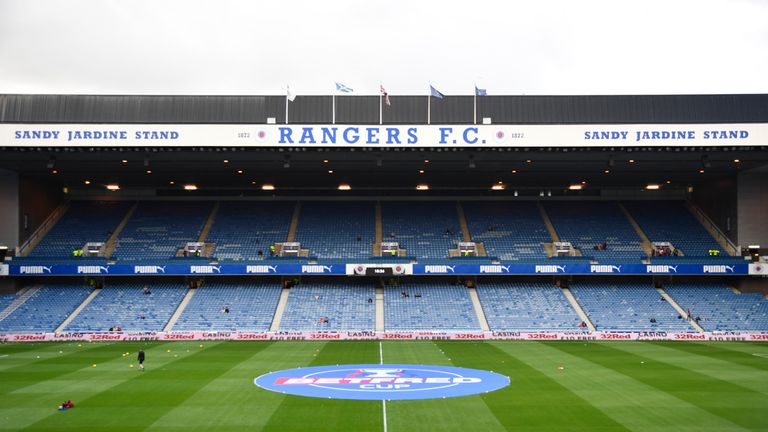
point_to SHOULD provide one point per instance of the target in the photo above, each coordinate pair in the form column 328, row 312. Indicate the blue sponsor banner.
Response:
column 579, row 269
column 54, row 269
column 382, row 381
column 176, row 269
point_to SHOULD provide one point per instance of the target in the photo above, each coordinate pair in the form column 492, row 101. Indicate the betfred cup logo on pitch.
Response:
column 382, row 382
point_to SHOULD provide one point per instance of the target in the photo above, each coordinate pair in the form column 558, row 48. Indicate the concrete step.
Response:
column 679, row 309
column 577, row 307
column 77, row 310
column 294, row 223
column 478, row 309
column 180, row 309
column 379, row 309
column 280, row 309
column 18, row 301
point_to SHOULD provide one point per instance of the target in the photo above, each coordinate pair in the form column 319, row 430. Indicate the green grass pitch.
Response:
column 556, row 386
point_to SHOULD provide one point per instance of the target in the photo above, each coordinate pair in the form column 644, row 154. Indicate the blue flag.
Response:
column 480, row 92
column 342, row 88
column 434, row 93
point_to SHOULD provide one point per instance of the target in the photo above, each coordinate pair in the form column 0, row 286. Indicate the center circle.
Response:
column 382, row 381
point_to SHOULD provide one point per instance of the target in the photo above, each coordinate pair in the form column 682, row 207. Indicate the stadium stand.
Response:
column 126, row 305
column 588, row 223
column 671, row 221
column 85, row 221
column 711, row 260
column 721, row 309
column 6, row 299
column 45, row 309
column 509, row 230
column 230, row 306
column 429, row 306
column 526, row 306
column 341, row 305
column 424, row 229
column 627, row 306
column 157, row 230
column 338, row 229
column 242, row 229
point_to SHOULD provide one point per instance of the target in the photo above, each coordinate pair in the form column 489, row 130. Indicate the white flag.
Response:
column 289, row 94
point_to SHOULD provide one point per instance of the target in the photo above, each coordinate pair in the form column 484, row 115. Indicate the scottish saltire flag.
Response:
column 385, row 95
column 289, row 94
column 434, row 93
column 342, row 88
column 480, row 92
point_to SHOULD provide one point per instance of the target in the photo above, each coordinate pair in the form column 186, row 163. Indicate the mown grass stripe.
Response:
column 297, row 413
column 634, row 404
column 52, row 364
column 715, row 351
column 713, row 363
column 453, row 414
column 533, row 401
column 37, row 399
column 233, row 401
column 134, row 404
column 735, row 403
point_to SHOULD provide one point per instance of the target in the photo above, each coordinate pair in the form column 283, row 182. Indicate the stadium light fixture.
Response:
column 345, row 187
column 113, row 187
column 267, row 187
column 652, row 186
column 575, row 187
column 125, row 161
column 498, row 187
column 190, row 187
column 736, row 161
column 422, row 187
column 87, row 182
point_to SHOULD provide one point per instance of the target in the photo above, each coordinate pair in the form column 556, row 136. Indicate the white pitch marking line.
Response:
column 760, row 355
column 383, row 401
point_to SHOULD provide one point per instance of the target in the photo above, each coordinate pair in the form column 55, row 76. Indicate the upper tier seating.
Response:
column 587, row 224
column 242, row 229
column 671, row 221
column 251, row 307
column 509, row 231
column 711, row 260
column 526, row 306
column 334, row 230
column 343, row 305
column 424, row 229
column 627, row 307
column 719, row 308
column 46, row 309
column 429, row 306
column 157, row 230
column 124, row 304
column 85, row 221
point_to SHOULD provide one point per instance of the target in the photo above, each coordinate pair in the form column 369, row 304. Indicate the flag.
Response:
column 289, row 94
column 434, row 93
column 480, row 92
column 342, row 88
column 385, row 95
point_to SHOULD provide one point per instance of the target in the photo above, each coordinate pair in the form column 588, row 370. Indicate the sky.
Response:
column 512, row 47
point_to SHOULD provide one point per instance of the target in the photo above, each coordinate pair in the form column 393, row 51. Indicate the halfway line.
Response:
column 383, row 402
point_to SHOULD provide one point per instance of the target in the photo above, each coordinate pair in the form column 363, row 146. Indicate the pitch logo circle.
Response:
column 382, row 382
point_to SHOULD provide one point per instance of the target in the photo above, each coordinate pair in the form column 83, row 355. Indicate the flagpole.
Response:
column 474, row 108
column 429, row 108
column 286, row 104
column 381, row 109
column 333, row 107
